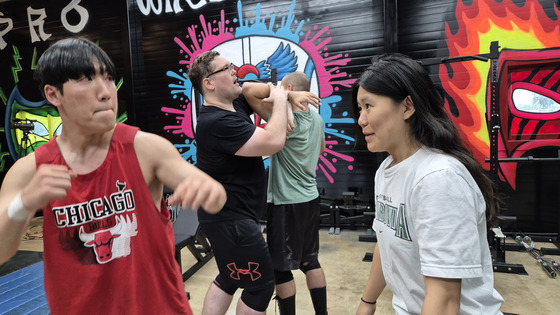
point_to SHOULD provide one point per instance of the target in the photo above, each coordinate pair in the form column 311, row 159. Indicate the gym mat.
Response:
column 23, row 291
column 20, row 260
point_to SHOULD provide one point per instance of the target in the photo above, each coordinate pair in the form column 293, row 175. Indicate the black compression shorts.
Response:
column 241, row 253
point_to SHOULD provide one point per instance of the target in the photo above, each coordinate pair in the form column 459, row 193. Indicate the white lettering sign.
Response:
column 84, row 16
column 5, row 31
column 156, row 6
column 39, row 23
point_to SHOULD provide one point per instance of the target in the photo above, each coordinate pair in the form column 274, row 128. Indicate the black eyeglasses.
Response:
column 227, row 68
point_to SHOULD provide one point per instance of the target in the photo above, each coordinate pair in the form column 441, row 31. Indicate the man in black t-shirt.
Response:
column 230, row 149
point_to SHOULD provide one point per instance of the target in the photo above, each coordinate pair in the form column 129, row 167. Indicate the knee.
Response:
column 310, row 265
column 283, row 276
column 258, row 299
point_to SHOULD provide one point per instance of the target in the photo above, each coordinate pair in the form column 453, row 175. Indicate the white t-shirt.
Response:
column 430, row 221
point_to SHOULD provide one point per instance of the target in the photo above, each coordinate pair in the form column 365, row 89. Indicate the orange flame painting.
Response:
column 529, row 39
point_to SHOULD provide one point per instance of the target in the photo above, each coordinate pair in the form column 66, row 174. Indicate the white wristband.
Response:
column 16, row 210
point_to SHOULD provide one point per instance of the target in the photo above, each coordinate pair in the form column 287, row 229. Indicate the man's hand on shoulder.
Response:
column 302, row 99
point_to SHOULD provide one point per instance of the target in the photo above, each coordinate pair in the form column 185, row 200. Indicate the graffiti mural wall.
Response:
column 513, row 92
column 265, row 40
column 525, row 75
column 27, row 28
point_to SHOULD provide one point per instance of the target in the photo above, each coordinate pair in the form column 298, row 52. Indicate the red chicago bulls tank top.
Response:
column 107, row 249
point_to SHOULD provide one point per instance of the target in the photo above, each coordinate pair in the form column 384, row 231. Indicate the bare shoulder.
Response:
column 150, row 146
column 20, row 173
column 149, row 141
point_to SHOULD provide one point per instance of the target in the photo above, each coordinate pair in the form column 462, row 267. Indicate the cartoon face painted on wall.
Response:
column 529, row 31
column 529, row 105
column 256, row 47
column 263, row 59
column 30, row 124
column 267, row 59
column 256, row 56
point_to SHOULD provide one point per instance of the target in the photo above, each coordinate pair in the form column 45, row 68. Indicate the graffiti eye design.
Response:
column 40, row 129
column 530, row 102
column 58, row 130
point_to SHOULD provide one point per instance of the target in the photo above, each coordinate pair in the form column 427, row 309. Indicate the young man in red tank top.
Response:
column 108, row 238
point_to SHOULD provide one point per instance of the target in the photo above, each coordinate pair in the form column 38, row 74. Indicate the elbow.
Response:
column 277, row 144
column 271, row 147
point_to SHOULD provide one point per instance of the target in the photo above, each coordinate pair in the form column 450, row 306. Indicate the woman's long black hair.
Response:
column 397, row 76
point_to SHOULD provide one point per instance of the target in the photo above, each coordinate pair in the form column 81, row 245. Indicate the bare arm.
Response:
column 255, row 93
column 374, row 287
column 36, row 188
column 271, row 138
column 443, row 296
column 162, row 164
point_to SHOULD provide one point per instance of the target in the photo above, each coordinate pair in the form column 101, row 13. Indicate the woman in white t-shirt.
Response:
column 432, row 198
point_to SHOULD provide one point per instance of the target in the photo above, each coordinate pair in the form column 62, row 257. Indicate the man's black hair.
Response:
column 71, row 59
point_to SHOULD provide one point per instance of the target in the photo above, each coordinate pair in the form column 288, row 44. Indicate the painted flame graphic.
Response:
column 478, row 24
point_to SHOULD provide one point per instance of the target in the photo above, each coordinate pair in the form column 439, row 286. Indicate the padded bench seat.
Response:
column 188, row 234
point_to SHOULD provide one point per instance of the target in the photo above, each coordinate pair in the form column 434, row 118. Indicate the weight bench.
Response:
column 188, row 234
column 351, row 212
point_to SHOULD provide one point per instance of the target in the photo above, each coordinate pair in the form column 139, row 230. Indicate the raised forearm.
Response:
column 277, row 123
column 14, row 218
column 36, row 187
column 255, row 93
column 11, row 233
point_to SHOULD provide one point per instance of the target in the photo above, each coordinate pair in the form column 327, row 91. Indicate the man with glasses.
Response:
column 230, row 149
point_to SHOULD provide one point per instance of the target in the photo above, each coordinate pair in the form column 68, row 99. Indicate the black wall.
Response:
column 144, row 50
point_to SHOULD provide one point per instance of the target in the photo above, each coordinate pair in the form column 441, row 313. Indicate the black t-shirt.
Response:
column 219, row 134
